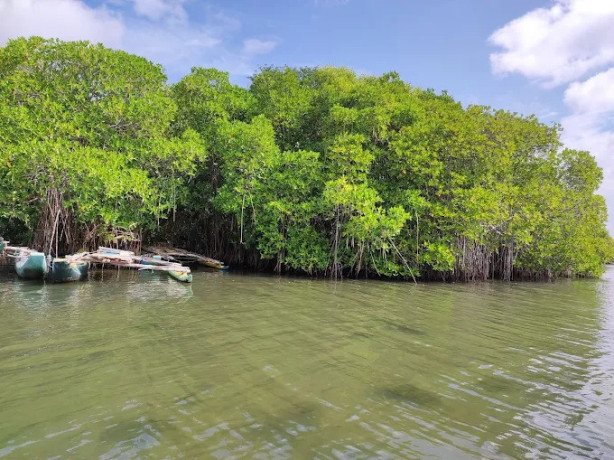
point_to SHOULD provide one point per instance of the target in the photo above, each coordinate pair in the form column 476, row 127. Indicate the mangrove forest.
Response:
column 314, row 171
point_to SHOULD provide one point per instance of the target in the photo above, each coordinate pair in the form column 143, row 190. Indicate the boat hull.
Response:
column 181, row 276
column 218, row 266
column 63, row 271
column 31, row 266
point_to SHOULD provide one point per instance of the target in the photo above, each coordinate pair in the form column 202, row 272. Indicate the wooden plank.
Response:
column 157, row 262
column 159, row 268
column 176, row 253
column 127, row 259
column 78, row 257
column 115, row 251
column 13, row 249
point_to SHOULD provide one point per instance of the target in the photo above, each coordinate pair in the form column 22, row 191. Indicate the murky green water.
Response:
column 260, row 367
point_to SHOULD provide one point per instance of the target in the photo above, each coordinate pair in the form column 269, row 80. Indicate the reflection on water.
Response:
column 131, row 364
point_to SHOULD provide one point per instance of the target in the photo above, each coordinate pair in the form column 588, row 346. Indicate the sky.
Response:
column 551, row 58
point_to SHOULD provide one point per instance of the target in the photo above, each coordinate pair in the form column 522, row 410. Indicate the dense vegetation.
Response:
column 309, row 170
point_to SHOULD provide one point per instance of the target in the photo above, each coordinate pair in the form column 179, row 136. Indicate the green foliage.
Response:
column 477, row 192
column 206, row 96
column 93, row 124
column 315, row 170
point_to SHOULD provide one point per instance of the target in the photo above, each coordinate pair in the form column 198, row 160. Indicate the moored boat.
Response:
column 31, row 265
column 182, row 276
column 62, row 270
column 215, row 264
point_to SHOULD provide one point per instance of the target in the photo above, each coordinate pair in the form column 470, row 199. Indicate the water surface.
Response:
column 245, row 366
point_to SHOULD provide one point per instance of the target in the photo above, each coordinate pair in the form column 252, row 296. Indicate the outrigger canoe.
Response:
column 62, row 270
column 31, row 265
column 180, row 276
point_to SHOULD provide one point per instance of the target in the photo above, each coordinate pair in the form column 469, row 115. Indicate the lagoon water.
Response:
column 248, row 366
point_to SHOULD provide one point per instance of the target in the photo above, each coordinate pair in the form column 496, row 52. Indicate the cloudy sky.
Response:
column 551, row 58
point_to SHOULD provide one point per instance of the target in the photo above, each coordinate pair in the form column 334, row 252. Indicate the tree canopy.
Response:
column 85, row 141
column 313, row 170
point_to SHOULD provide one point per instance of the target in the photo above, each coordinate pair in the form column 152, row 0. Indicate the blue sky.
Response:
column 551, row 58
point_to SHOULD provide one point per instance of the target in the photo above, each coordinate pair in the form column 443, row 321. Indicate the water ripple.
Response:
column 131, row 365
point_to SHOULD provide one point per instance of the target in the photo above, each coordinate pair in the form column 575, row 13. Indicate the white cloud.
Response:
column 160, row 30
column 64, row 19
column 176, row 48
column 200, row 40
column 156, row 10
column 559, row 44
column 253, row 46
column 595, row 95
column 586, row 132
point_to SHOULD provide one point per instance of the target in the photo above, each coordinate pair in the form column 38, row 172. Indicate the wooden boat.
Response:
column 215, row 264
column 184, row 277
column 31, row 265
column 63, row 270
column 180, row 275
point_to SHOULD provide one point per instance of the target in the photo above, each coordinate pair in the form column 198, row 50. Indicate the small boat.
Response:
column 31, row 265
column 182, row 276
column 215, row 264
column 62, row 270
